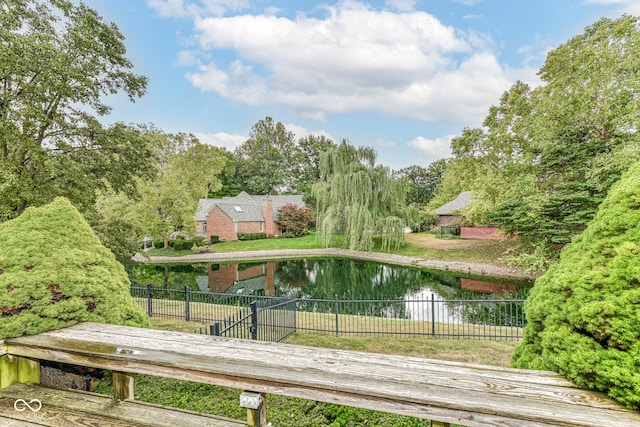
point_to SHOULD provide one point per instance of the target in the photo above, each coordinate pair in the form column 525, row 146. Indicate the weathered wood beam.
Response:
column 14, row 369
column 28, row 371
column 122, row 385
column 8, row 370
column 448, row 392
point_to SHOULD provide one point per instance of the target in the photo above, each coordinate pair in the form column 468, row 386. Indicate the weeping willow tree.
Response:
column 358, row 200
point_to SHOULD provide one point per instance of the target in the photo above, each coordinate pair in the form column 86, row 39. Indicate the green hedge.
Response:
column 180, row 244
column 214, row 239
column 252, row 236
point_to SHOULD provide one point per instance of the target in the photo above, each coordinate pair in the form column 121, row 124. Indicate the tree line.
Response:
column 60, row 61
column 539, row 166
column 545, row 157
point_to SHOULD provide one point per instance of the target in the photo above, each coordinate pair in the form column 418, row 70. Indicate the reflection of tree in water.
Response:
column 292, row 274
column 168, row 276
column 328, row 278
column 484, row 308
column 357, row 280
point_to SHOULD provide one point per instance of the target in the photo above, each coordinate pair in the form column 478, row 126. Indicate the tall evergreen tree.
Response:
column 54, row 272
column 584, row 313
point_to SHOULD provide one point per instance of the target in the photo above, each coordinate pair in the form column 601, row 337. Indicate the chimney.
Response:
column 267, row 213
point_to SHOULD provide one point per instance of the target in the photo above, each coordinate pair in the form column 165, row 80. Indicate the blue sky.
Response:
column 402, row 76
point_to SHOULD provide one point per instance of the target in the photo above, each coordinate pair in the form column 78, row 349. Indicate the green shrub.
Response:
column 54, row 272
column 584, row 313
column 181, row 244
column 251, row 236
column 214, row 239
column 158, row 243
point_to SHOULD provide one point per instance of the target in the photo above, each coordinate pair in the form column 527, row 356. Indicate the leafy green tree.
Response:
column 54, row 272
column 359, row 200
column 584, row 313
column 265, row 159
column 187, row 171
column 230, row 180
column 116, row 223
column 58, row 60
column 545, row 158
column 492, row 161
column 306, row 163
column 422, row 182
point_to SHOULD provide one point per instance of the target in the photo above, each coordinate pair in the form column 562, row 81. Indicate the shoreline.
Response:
column 472, row 268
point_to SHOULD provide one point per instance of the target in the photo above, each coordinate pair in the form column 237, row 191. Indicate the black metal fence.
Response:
column 264, row 320
column 275, row 318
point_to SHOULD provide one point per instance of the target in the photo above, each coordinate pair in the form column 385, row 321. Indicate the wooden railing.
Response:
column 444, row 392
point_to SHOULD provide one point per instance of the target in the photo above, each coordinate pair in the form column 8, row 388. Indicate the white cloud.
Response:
column 385, row 143
column 352, row 59
column 301, row 131
column 631, row 7
column 221, row 139
column 468, row 2
column 432, row 149
column 182, row 8
column 402, row 5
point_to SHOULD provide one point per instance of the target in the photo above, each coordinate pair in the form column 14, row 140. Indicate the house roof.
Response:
column 460, row 202
column 245, row 207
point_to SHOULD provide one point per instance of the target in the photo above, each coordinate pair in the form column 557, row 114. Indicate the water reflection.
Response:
column 419, row 306
column 321, row 278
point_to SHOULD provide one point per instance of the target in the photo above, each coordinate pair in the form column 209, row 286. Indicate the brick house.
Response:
column 447, row 212
column 243, row 213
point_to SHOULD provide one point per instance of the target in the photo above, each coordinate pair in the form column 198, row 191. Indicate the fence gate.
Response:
column 268, row 319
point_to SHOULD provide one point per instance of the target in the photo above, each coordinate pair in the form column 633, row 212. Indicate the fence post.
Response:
column 336, row 303
column 433, row 317
column 295, row 315
column 187, row 311
column 214, row 329
column 254, row 320
column 149, row 300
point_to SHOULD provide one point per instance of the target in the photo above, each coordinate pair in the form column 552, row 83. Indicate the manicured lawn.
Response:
column 487, row 252
column 307, row 242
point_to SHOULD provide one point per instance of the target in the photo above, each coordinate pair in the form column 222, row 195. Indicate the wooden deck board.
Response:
column 77, row 408
column 446, row 391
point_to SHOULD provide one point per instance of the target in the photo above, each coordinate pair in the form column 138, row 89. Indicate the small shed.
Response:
column 447, row 212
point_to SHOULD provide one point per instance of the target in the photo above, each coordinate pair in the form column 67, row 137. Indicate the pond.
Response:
column 323, row 278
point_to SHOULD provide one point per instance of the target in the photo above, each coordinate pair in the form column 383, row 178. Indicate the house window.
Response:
column 237, row 208
column 261, row 226
column 204, row 229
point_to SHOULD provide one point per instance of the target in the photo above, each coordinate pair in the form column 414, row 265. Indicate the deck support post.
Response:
column 14, row 369
column 8, row 370
column 122, row 385
column 256, row 408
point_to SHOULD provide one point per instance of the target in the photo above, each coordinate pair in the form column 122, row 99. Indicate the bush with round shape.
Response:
column 54, row 272
column 584, row 313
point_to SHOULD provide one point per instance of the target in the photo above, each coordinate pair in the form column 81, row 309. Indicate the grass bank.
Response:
column 486, row 252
